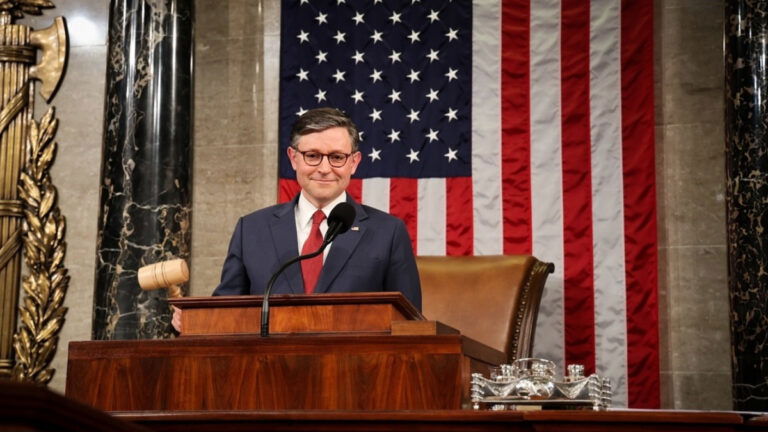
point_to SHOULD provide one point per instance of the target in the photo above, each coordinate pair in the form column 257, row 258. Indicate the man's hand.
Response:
column 176, row 321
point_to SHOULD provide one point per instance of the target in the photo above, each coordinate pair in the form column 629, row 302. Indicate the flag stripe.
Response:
column 546, row 172
column 458, row 216
column 639, row 202
column 486, row 138
column 431, row 218
column 607, row 204
column 376, row 193
column 354, row 189
column 403, row 194
column 515, row 126
column 577, row 186
column 287, row 189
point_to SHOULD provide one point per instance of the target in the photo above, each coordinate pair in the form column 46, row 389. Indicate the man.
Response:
column 374, row 255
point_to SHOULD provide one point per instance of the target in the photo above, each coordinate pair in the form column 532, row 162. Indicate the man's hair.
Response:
column 320, row 119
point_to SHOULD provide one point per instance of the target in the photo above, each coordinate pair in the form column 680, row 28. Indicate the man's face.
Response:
column 321, row 184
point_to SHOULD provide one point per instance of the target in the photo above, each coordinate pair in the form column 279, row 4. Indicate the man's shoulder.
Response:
column 381, row 217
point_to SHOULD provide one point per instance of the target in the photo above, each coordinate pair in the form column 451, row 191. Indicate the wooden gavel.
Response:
column 166, row 274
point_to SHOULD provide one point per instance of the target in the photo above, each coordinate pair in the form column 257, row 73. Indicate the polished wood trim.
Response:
column 291, row 314
column 278, row 372
column 416, row 328
column 396, row 299
column 442, row 420
column 758, row 422
column 27, row 407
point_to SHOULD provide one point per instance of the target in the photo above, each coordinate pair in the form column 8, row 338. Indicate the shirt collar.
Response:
column 305, row 209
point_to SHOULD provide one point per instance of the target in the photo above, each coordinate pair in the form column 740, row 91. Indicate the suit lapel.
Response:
column 342, row 248
column 283, row 229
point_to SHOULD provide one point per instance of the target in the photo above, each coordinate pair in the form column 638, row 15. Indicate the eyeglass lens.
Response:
column 336, row 160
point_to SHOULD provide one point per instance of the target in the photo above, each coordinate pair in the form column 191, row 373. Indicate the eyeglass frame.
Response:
column 324, row 155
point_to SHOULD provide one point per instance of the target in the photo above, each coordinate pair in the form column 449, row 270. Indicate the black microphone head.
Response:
column 343, row 215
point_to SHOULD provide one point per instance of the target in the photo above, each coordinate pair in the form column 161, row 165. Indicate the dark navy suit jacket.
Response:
column 374, row 255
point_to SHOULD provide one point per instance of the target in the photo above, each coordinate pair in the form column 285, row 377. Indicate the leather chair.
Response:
column 492, row 299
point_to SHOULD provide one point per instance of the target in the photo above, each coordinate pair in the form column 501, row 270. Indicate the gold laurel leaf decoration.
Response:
column 17, row 8
column 42, row 311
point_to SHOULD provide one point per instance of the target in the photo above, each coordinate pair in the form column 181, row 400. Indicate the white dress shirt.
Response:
column 303, row 213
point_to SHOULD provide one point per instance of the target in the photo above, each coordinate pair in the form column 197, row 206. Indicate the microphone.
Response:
column 339, row 222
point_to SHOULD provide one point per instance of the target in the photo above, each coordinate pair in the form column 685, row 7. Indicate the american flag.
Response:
column 521, row 126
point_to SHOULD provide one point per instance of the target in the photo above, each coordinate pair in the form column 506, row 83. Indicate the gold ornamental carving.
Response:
column 29, row 215
column 42, row 312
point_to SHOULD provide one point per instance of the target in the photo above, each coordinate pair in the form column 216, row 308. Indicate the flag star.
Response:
column 303, row 37
column 321, row 56
column 413, row 156
column 377, row 1
column 432, row 95
column 432, row 135
column 452, row 34
column 340, row 37
column 360, row 135
column 413, row 2
column 376, row 36
column 338, row 76
column 338, row 2
column 358, row 96
column 358, row 18
column 358, row 57
column 302, row 75
column 451, row 114
column 394, row 136
column 321, row 18
column 395, row 18
column 414, row 116
column 413, row 76
column 376, row 75
column 375, row 115
column 394, row 96
column 320, row 96
column 395, row 56
column 300, row 112
column 374, row 154
column 414, row 36
column 451, row 155
column 433, row 16
column 432, row 56
column 451, row 74
column 303, row 1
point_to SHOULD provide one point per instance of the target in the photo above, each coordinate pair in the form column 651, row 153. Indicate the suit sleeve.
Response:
column 234, row 278
column 402, row 274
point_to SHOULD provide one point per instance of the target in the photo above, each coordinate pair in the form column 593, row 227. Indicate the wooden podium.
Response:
column 362, row 351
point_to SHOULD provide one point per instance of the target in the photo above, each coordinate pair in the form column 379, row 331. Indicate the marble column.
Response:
column 746, row 135
column 146, row 170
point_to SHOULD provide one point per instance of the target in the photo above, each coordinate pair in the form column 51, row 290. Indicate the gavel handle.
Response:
column 174, row 291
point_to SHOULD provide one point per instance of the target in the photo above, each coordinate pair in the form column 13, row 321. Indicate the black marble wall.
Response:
column 145, row 190
column 746, row 114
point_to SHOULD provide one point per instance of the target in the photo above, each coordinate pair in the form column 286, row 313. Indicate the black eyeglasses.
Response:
column 314, row 158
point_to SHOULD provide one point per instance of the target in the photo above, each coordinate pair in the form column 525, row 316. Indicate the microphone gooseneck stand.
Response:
column 265, row 301
column 338, row 222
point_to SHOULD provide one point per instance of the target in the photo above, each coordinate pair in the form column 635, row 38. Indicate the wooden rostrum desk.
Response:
column 371, row 351
column 337, row 362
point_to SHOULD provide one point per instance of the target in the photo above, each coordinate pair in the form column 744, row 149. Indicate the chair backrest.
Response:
column 492, row 299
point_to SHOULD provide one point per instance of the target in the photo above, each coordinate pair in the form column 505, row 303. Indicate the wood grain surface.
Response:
column 276, row 373
column 316, row 313
column 445, row 420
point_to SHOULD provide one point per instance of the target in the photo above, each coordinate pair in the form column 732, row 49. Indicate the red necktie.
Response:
column 311, row 268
